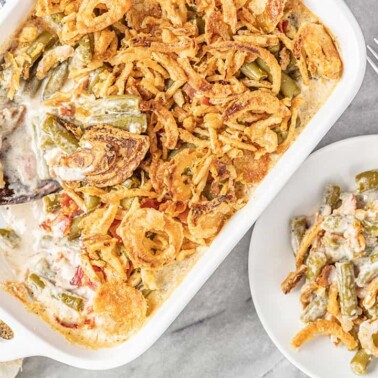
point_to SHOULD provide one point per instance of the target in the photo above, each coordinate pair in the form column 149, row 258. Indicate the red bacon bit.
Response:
column 283, row 26
column 69, row 206
column 91, row 285
column 65, row 324
column 205, row 101
column 89, row 323
column 77, row 279
column 46, row 226
column 150, row 203
column 67, row 111
column 61, row 222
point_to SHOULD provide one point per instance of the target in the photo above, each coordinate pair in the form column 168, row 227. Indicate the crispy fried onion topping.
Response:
column 151, row 238
column 314, row 46
column 268, row 12
column 324, row 327
column 110, row 11
column 122, row 308
column 205, row 219
column 108, row 156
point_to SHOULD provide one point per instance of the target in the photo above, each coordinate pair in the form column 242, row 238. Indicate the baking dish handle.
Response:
column 23, row 344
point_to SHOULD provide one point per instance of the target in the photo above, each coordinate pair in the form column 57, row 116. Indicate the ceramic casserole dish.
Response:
column 34, row 338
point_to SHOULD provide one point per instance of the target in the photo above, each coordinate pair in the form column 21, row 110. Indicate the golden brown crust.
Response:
column 123, row 307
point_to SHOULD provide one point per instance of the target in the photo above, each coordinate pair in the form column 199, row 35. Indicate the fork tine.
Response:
column 373, row 52
column 375, row 68
column 376, row 40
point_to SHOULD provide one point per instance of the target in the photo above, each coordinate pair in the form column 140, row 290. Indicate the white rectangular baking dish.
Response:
column 34, row 338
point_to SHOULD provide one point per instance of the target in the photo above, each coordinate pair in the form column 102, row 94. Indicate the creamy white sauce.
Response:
column 24, row 220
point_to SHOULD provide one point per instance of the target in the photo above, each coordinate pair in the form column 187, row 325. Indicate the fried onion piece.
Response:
column 177, row 174
column 268, row 16
column 51, row 58
column 151, row 238
column 167, row 120
column 367, row 330
column 204, row 88
column 110, row 12
column 307, row 241
column 256, row 101
column 123, row 307
column 324, row 327
column 258, row 52
column 293, row 279
column 111, row 158
column 315, row 46
column 251, row 170
column 205, row 219
column 174, row 10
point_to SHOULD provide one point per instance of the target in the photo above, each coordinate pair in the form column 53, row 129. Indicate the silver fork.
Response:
column 375, row 54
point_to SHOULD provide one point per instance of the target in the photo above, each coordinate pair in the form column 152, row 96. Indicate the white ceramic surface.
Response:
column 271, row 257
column 33, row 337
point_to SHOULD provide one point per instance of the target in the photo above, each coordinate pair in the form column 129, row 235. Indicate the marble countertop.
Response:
column 219, row 333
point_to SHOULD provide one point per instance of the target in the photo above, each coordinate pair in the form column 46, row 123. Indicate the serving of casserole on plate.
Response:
column 156, row 121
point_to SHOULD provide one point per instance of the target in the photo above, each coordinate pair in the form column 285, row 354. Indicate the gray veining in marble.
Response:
column 219, row 333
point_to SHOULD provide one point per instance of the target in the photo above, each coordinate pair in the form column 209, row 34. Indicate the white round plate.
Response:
column 271, row 257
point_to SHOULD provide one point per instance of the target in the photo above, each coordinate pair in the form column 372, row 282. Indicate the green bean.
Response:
column 75, row 303
column 132, row 182
column 176, row 151
column 360, row 362
column 46, row 143
column 51, row 203
column 281, row 135
column 263, row 65
column 133, row 123
column 91, row 202
column 9, row 238
column 45, row 40
column 95, row 78
column 367, row 180
column 316, row 261
column 56, row 80
column 298, row 227
column 366, row 274
column 33, row 85
column 37, row 280
column 274, row 49
column 75, row 229
column 117, row 104
column 57, row 17
column 59, row 134
column 253, row 71
column 330, row 199
column 317, row 307
column 126, row 203
column 371, row 228
column 289, row 87
column 347, row 289
column 207, row 192
column 200, row 23
column 85, row 49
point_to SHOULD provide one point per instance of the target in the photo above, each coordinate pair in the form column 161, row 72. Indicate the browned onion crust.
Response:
column 123, row 307
column 151, row 239
column 113, row 155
